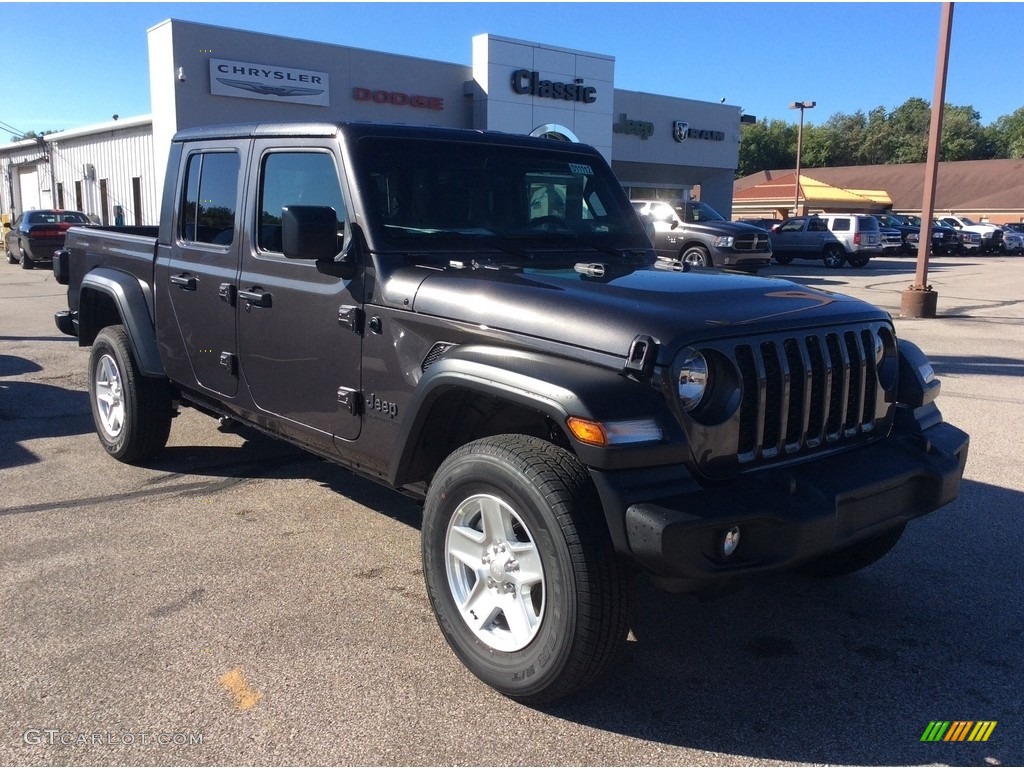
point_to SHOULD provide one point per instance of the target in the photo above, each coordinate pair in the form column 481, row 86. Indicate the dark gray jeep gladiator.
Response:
column 479, row 320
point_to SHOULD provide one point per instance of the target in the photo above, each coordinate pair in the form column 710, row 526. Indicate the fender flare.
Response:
column 133, row 300
column 554, row 387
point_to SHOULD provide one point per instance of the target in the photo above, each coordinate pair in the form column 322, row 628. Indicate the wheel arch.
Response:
column 472, row 393
column 111, row 297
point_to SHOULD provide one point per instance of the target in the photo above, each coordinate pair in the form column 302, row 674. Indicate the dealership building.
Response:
column 204, row 75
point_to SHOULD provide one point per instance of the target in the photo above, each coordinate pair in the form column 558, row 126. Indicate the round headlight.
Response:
column 693, row 378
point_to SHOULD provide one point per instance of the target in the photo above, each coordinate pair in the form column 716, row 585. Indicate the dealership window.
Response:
column 78, row 196
column 60, row 195
column 296, row 178
column 211, row 197
column 137, row 199
column 104, row 203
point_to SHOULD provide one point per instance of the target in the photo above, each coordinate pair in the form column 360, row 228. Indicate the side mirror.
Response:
column 675, row 224
column 309, row 232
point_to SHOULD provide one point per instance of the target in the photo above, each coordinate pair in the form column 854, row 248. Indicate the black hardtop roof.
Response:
column 358, row 130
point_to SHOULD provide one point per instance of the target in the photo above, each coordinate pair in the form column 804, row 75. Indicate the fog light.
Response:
column 730, row 541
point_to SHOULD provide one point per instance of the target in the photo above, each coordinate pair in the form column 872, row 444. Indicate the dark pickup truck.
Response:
column 480, row 320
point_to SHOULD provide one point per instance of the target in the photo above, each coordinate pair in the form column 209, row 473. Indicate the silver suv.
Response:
column 835, row 238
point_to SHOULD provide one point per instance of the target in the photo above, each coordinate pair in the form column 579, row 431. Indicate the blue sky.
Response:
column 75, row 64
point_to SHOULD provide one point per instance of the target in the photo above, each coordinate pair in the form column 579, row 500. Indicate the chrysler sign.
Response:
column 269, row 82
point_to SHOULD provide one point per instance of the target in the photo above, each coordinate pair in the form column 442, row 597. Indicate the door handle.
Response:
column 256, row 297
column 185, row 281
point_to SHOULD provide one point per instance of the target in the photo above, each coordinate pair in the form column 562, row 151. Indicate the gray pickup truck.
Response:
column 696, row 235
column 479, row 320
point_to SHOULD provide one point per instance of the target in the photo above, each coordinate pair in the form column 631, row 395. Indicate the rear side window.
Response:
column 211, row 198
column 840, row 225
column 867, row 223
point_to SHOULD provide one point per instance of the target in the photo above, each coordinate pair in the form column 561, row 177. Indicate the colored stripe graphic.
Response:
column 959, row 730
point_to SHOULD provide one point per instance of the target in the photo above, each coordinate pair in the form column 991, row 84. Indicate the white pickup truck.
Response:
column 991, row 235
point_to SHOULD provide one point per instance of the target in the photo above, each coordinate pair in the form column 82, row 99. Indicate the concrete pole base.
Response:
column 918, row 302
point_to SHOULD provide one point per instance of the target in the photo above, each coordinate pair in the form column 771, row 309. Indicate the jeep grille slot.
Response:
column 802, row 392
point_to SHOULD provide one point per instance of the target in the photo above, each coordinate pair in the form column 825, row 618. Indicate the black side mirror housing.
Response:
column 310, row 232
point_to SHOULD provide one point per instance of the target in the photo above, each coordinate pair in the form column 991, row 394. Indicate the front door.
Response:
column 299, row 323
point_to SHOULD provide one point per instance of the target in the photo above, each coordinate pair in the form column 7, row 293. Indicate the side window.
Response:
column 840, row 225
column 211, row 197
column 295, row 178
column 793, row 225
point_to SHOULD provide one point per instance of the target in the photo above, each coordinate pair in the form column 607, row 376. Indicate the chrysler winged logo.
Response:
column 680, row 130
column 270, row 90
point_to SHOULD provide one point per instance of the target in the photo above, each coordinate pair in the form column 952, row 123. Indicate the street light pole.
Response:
column 801, row 105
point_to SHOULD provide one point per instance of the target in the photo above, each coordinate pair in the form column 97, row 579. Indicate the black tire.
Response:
column 513, row 532
column 132, row 412
column 833, row 255
column 26, row 262
column 10, row 257
column 782, row 259
column 858, row 261
column 696, row 256
column 850, row 559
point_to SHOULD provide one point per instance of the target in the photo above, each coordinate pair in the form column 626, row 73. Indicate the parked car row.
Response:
column 35, row 235
column 793, row 238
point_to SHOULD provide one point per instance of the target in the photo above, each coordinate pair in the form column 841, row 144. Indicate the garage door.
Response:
column 28, row 185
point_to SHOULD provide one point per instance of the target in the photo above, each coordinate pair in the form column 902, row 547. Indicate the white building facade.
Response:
column 204, row 75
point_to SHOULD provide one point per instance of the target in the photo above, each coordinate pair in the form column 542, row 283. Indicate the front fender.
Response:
column 555, row 387
column 133, row 302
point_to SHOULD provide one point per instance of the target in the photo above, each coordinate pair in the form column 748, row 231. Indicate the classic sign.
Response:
column 525, row 82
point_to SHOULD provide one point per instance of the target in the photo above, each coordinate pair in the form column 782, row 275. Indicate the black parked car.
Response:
column 35, row 235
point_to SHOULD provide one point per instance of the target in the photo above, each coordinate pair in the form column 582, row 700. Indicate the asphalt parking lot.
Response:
column 241, row 602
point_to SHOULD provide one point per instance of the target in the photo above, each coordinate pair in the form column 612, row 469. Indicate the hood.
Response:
column 733, row 228
column 605, row 314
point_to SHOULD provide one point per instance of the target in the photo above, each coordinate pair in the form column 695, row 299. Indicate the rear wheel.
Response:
column 26, row 262
column 856, row 556
column 520, row 570
column 696, row 256
column 858, row 261
column 132, row 412
column 834, row 255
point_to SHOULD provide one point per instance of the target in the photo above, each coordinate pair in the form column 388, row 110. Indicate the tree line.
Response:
column 880, row 137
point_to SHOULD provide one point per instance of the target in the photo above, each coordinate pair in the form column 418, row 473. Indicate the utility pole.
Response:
column 919, row 300
column 801, row 105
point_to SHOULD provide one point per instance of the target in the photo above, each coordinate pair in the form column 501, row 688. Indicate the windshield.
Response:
column 433, row 195
column 967, row 221
column 697, row 212
column 56, row 217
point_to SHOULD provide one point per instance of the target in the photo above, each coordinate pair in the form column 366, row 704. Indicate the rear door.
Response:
column 196, row 275
column 299, row 322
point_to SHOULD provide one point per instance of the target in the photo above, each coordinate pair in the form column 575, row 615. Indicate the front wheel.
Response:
column 696, row 256
column 856, row 556
column 520, row 570
column 782, row 259
column 834, row 256
column 132, row 412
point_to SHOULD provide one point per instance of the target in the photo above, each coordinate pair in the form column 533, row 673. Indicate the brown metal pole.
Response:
column 920, row 300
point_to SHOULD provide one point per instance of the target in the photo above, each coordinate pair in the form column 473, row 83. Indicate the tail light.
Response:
column 856, row 238
column 45, row 233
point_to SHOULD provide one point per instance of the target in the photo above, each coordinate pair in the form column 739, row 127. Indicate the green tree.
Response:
column 963, row 138
column 1007, row 135
column 766, row 145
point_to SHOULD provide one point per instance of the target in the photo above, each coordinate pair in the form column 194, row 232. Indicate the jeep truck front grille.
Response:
column 803, row 392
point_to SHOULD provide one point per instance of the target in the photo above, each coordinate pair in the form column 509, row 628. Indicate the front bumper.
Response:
column 791, row 514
